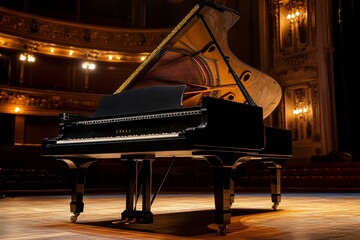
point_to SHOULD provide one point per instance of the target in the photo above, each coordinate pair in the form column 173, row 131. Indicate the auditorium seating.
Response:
column 30, row 179
column 315, row 176
column 24, row 169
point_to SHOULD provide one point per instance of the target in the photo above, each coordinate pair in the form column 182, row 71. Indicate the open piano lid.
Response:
column 196, row 53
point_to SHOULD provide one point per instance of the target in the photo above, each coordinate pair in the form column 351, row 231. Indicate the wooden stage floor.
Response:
column 185, row 216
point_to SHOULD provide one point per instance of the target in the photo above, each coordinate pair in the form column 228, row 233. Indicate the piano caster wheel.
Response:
column 222, row 230
column 274, row 207
column 74, row 217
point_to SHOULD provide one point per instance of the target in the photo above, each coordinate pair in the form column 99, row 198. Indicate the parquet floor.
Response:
column 184, row 216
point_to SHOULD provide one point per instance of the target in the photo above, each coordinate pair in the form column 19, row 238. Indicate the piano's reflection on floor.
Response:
column 190, row 98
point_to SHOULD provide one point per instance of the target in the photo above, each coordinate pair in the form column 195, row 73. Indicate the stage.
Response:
column 184, row 216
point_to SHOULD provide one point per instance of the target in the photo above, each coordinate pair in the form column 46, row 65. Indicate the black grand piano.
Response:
column 191, row 98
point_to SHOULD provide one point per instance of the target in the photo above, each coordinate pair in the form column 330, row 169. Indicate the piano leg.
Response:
column 275, row 180
column 130, row 214
column 224, row 197
column 77, row 185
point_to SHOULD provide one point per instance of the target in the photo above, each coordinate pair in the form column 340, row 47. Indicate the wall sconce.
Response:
column 293, row 16
column 302, row 128
column 17, row 109
column 296, row 10
column 293, row 24
column 89, row 65
column 300, row 111
column 27, row 57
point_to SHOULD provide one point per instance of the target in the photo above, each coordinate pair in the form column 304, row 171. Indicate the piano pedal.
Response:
column 121, row 221
column 132, row 221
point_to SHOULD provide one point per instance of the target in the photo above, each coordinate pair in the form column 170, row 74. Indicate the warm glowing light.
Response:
column 293, row 15
column 89, row 65
column 22, row 57
column 27, row 57
column 92, row 66
column 31, row 58
column 52, row 50
column 143, row 58
column 17, row 109
column 110, row 57
column 303, row 110
column 71, row 52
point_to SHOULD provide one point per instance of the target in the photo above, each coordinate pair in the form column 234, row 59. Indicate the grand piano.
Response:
column 190, row 98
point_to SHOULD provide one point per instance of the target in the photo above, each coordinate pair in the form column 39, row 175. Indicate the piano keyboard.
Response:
column 139, row 118
column 119, row 138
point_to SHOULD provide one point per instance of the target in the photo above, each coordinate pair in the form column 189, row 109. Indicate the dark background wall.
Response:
column 346, row 71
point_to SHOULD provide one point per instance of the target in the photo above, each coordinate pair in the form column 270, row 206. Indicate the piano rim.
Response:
column 202, row 153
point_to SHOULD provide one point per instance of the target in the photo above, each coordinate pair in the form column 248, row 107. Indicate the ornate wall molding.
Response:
column 295, row 63
column 44, row 102
column 299, row 68
column 293, row 25
column 35, row 28
column 296, row 68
